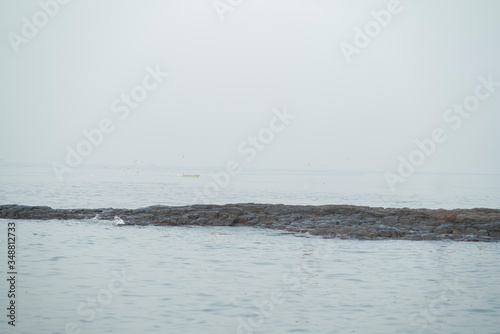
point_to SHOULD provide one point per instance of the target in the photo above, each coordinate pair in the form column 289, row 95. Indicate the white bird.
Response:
column 118, row 221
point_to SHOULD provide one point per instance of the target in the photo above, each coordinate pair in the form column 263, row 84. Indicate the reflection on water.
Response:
column 96, row 277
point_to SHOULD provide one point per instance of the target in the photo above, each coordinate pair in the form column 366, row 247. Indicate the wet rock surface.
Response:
column 341, row 221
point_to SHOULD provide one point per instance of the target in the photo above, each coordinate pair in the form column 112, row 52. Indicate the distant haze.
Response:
column 227, row 79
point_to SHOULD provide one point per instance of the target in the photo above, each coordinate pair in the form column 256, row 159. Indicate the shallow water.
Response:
column 245, row 280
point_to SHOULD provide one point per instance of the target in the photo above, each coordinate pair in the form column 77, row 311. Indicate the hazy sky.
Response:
column 227, row 76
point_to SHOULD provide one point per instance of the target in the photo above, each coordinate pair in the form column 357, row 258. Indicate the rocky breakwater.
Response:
column 342, row 221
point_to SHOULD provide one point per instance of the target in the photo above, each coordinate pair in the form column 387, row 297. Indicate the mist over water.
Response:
column 105, row 187
column 172, row 83
column 370, row 102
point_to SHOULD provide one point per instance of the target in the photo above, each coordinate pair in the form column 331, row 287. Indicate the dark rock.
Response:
column 482, row 233
column 444, row 229
column 390, row 220
column 342, row 221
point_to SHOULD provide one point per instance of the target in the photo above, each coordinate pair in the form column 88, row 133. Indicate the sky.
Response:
column 295, row 84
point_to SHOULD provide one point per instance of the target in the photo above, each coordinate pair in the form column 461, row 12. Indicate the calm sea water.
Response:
column 130, row 187
column 95, row 277
column 92, row 276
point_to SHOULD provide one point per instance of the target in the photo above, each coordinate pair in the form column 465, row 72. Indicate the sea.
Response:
column 94, row 276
